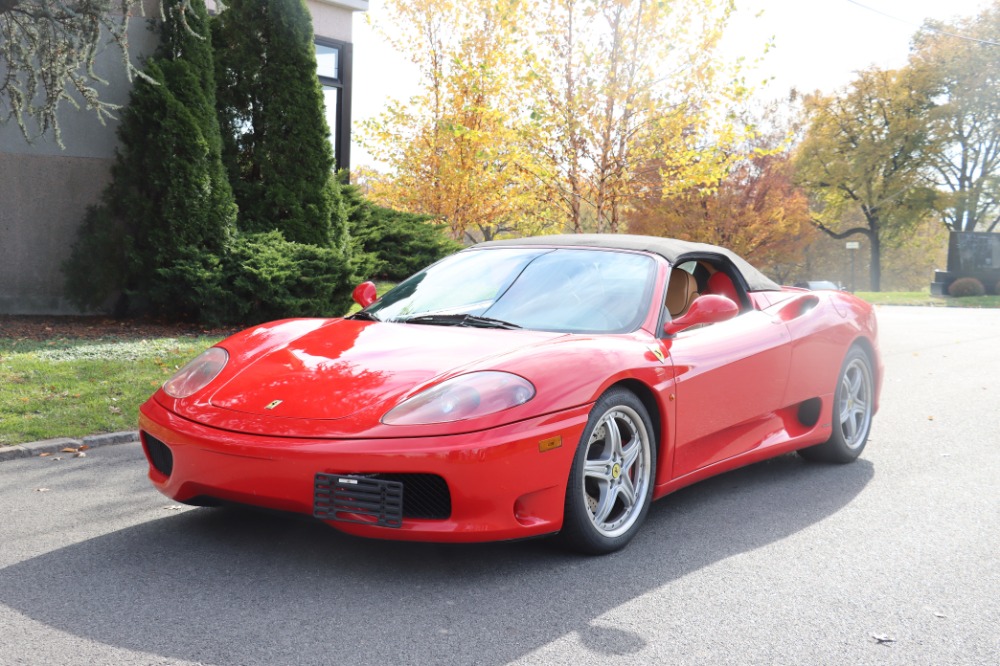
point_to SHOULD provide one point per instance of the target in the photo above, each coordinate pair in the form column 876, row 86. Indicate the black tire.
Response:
column 621, row 476
column 853, row 405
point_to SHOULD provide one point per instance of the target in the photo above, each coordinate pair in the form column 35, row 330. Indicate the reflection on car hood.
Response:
column 346, row 366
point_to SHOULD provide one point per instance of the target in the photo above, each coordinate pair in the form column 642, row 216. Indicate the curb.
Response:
column 56, row 445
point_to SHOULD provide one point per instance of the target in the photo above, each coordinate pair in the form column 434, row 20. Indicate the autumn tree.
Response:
column 541, row 115
column 960, row 63
column 455, row 150
column 619, row 85
column 865, row 149
column 755, row 209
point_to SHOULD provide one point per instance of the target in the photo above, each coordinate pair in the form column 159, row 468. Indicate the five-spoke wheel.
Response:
column 853, row 405
column 611, row 483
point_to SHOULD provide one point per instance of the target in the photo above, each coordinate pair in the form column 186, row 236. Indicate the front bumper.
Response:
column 502, row 485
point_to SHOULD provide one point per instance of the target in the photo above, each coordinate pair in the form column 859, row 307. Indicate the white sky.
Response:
column 819, row 44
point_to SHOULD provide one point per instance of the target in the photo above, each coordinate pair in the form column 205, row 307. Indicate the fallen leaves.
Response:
column 77, row 451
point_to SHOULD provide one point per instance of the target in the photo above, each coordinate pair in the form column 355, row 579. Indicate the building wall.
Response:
column 45, row 189
column 44, row 198
column 331, row 20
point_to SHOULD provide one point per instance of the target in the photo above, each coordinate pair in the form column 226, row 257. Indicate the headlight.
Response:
column 463, row 397
column 197, row 374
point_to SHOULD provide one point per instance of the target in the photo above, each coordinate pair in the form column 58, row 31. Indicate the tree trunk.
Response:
column 875, row 270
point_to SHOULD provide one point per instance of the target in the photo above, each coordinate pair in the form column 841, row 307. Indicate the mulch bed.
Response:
column 49, row 327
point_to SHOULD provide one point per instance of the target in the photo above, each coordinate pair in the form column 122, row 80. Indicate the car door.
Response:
column 730, row 379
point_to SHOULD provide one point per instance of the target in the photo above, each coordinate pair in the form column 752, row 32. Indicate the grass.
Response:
column 73, row 388
column 923, row 298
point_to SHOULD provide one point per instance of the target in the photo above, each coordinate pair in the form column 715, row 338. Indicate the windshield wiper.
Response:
column 459, row 320
column 364, row 316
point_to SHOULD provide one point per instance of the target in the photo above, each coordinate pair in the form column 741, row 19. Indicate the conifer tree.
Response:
column 169, row 201
column 270, row 105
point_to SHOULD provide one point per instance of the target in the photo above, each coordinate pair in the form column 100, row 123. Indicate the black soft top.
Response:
column 673, row 250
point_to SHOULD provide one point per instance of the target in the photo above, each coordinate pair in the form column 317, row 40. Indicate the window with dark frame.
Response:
column 333, row 66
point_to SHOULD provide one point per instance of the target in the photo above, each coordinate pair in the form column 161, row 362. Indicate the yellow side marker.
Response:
column 549, row 444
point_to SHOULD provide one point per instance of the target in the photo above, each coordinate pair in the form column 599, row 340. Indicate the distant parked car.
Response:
column 816, row 285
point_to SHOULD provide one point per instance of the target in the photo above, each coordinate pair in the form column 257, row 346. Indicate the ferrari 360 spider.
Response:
column 521, row 388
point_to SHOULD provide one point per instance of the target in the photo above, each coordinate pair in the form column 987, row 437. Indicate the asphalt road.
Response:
column 784, row 562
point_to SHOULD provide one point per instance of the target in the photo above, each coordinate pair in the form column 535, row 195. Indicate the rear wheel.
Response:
column 853, row 405
column 611, row 483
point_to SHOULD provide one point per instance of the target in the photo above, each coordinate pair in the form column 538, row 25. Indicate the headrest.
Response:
column 682, row 289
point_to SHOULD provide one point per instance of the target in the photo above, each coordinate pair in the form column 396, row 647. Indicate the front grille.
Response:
column 158, row 453
column 427, row 495
column 381, row 499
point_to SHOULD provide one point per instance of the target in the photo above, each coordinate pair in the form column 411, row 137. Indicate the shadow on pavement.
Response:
column 227, row 587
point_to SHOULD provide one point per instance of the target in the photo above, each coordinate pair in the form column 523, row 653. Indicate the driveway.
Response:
column 784, row 562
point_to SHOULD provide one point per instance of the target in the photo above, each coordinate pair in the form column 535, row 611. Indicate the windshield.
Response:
column 566, row 290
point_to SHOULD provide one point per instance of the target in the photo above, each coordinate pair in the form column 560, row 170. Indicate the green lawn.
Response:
column 923, row 298
column 74, row 388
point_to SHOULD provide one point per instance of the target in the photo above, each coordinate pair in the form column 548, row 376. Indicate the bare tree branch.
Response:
column 48, row 50
column 864, row 231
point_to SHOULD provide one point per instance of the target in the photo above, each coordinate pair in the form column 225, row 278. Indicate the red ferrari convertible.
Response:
column 521, row 388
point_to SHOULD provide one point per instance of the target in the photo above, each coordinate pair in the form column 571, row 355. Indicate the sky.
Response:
column 818, row 45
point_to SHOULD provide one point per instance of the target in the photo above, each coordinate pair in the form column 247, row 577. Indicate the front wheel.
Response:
column 853, row 405
column 611, row 483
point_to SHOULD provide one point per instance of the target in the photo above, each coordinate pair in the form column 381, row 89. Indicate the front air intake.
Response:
column 158, row 453
column 426, row 496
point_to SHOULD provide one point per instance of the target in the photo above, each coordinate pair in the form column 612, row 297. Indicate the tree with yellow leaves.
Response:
column 623, row 84
column 547, row 114
column 456, row 149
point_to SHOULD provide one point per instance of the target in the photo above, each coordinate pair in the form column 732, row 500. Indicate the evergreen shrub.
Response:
column 95, row 270
column 270, row 103
column 391, row 244
column 263, row 277
column 169, row 205
column 403, row 243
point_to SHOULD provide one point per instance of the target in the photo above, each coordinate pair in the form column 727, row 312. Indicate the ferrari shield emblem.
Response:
column 273, row 404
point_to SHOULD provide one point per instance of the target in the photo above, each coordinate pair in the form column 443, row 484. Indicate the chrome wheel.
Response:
column 855, row 403
column 616, row 471
column 853, row 406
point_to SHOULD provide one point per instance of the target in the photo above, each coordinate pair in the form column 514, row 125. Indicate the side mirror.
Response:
column 707, row 309
column 364, row 294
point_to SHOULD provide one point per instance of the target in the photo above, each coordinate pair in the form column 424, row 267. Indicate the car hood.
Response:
column 345, row 367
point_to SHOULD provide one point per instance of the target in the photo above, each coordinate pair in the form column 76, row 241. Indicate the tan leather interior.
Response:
column 682, row 289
